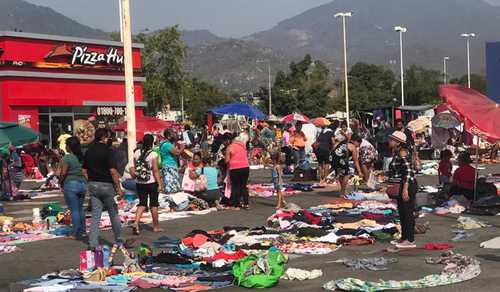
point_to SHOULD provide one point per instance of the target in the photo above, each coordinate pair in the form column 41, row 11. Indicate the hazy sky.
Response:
column 233, row 18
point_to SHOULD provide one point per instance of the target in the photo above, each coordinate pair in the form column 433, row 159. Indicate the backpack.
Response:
column 142, row 167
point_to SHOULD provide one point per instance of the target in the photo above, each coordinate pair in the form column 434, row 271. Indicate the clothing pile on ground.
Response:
column 199, row 261
column 172, row 206
column 321, row 229
column 458, row 268
column 452, row 206
column 430, row 168
column 267, row 190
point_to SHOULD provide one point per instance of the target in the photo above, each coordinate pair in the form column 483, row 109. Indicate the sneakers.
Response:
column 395, row 241
column 406, row 245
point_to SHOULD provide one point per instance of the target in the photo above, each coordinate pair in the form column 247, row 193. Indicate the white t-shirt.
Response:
column 150, row 159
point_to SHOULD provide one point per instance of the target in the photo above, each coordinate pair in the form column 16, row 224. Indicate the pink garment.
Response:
column 238, row 156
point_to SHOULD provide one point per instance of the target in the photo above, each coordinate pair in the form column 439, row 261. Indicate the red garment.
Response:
column 438, row 246
column 445, row 168
column 314, row 220
column 465, row 176
column 226, row 256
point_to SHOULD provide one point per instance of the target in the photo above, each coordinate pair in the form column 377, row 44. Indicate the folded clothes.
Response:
column 301, row 275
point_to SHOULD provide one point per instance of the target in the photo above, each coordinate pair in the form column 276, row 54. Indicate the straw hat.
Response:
column 398, row 136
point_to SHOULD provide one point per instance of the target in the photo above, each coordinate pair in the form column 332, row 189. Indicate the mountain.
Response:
column 434, row 29
column 22, row 16
column 194, row 38
column 233, row 64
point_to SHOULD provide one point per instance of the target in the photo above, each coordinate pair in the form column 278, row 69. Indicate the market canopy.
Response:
column 479, row 113
column 238, row 108
column 12, row 133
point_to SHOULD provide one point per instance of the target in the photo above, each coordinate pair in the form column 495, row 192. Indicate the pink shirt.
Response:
column 238, row 157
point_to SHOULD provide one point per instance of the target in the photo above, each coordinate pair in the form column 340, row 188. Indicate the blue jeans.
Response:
column 102, row 196
column 129, row 184
column 74, row 195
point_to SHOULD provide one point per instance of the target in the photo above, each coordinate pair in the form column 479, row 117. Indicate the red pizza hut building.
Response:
column 47, row 82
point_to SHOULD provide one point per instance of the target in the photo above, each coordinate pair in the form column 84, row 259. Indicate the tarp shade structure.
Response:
column 146, row 124
column 12, row 133
column 238, row 108
column 480, row 114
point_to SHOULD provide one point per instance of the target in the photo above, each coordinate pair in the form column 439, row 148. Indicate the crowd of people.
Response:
column 215, row 166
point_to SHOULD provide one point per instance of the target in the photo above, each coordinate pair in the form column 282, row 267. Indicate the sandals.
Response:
column 135, row 230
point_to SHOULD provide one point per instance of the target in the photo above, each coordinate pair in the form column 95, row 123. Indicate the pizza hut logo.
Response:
column 83, row 56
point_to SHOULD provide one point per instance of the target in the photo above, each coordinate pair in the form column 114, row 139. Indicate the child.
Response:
column 277, row 178
column 445, row 167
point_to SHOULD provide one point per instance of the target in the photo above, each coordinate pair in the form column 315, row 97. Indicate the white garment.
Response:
column 150, row 159
column 301, row 275
column 492, row 243
column 186, row 139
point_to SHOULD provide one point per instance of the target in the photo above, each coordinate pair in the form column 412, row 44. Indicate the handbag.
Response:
column 201, row 182
column 393, row 190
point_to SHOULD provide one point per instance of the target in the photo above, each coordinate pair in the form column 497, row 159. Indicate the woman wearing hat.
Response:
column 464, row 177
column 401, row 170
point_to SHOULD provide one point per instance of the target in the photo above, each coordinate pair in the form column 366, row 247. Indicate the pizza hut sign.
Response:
column 82, row 56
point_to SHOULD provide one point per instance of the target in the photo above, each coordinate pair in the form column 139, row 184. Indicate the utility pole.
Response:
column 129, row 77
column 270, row 90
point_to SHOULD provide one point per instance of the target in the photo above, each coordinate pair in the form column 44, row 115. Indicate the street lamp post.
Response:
column 401, row 30
column 445, row 74
column 270, row 103
column 344, row 15
column 468, row 37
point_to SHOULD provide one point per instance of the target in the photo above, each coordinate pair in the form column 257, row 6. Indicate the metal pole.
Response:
column 129, row 78
column 402, row 69
column 182, row 107
column 477, row 169
column 270, row 90
column 345, row 74
column 444, row 70
column 468, row 62
column 121, row 20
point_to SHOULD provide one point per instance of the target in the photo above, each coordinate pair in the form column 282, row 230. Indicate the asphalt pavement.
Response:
column 42, row 257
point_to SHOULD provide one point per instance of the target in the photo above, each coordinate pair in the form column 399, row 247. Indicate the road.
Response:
column 46, row 256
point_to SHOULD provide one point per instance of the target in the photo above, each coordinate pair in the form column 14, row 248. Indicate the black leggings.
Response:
column 288, row 155
column 148, row 190
column 406, row 212
column 239, row 189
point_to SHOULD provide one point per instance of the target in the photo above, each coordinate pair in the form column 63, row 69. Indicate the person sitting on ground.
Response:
column 212, row 194
column 463, row 178
column 445, row 167
column 189, row 179
column 277, row 177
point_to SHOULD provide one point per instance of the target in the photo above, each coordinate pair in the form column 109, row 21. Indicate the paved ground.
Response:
column 50, row 255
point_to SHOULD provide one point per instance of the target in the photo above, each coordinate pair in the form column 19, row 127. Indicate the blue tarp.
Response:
column 238, row 108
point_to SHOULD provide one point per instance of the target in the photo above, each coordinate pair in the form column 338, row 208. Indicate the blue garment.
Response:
column 212, row 177
column 167, row 158
column 74, row 195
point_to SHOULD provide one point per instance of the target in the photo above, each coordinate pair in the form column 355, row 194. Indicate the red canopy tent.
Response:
column 146, row 124
column 480, row 114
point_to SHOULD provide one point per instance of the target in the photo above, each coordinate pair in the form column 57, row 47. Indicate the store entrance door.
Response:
column 60, row 124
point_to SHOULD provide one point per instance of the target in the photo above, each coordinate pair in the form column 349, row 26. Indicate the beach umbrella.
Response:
column 321, row 122
column 445, row 120
column 295, row 117
column 12, row 133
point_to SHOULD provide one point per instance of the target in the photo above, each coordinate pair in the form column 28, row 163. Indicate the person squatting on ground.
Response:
column 148, row 181
column 402, row 170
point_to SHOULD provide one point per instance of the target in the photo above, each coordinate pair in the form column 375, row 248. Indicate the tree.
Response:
column 304, row 89
column 477, row 82
column 162, row 65
column 200, row 96
column 421, row 86
column 369, row 86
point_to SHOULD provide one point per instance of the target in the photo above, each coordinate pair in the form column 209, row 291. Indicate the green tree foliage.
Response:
column 421, row 86
column 477, row 82
column 162, row 64
column 369, row 86
column 201, row 96
column 304, row 89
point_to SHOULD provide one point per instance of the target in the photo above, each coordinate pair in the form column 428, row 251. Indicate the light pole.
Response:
column 344, row 15
column 401, row 30
column 269, row 85
column 126, row 32
column 445, row 74
column 468, row 36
